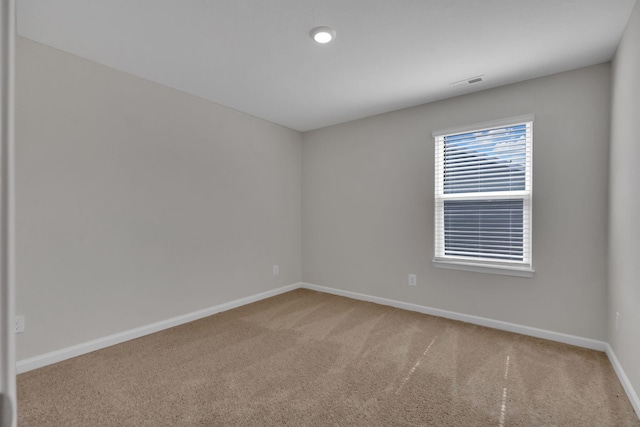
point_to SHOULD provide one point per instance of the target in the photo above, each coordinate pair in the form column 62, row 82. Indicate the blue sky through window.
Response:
column 507, row 144
column 485, row 161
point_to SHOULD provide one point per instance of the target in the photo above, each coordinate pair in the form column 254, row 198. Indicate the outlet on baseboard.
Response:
column 19, row 324
column 413, row 280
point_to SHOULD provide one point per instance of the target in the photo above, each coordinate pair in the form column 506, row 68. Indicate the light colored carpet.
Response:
column 308, row 358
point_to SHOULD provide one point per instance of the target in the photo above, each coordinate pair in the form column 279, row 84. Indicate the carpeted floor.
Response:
column 308, row 358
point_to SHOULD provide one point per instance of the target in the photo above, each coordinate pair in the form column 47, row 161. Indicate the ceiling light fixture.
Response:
column 323, row 34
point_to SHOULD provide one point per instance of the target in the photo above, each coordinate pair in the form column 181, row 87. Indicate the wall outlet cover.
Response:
column 20, row 324
column 413, row 280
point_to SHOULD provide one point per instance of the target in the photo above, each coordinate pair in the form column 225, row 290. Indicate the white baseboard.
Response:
column 99, row 343
column 504, row 326
column 476, row 320
column 622, row 376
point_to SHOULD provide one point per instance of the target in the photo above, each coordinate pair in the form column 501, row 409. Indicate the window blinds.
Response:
column 483, row 193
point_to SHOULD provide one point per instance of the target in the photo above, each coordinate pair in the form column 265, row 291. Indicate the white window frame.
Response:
column 522, row 268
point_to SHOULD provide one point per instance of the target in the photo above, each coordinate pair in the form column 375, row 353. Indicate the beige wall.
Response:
column 367, row 205
column 137, row 203
column 624, row 209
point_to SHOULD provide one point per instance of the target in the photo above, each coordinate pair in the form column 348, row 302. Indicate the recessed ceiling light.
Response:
column 323, row 34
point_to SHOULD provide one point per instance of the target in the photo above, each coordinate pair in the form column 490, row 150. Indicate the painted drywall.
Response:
column 367, row 205
column 137, row 203
column 624, row 204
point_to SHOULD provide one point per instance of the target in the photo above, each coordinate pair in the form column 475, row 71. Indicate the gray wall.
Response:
column 624, row 209
column 367, row 205
column 137, row 203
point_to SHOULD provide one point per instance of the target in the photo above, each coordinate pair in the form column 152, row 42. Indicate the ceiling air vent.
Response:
column 467, row 82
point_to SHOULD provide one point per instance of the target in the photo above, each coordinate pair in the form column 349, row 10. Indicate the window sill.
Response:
column 484, row 268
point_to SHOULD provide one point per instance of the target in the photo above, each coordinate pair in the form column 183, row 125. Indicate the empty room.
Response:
column 329, row 212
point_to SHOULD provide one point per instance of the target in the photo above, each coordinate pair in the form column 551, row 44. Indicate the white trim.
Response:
column 490, row 195
column 509, row 121
column 8, row 395
column 624, row 380
column 476, row 320
column 504, row 326
column 481, row 268
column 99, row 343
column 474, row 261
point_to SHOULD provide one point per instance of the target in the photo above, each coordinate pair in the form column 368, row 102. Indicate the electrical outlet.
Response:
column 413, row 280
column 19, row 328
column 276, row 270
column 617, row 321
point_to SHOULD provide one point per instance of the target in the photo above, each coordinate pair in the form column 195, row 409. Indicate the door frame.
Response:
column 8, row 396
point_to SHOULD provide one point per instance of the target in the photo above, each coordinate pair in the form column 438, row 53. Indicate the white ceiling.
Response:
column 256, row 56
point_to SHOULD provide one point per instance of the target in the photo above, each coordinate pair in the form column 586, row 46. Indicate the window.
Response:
column 483, row 197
